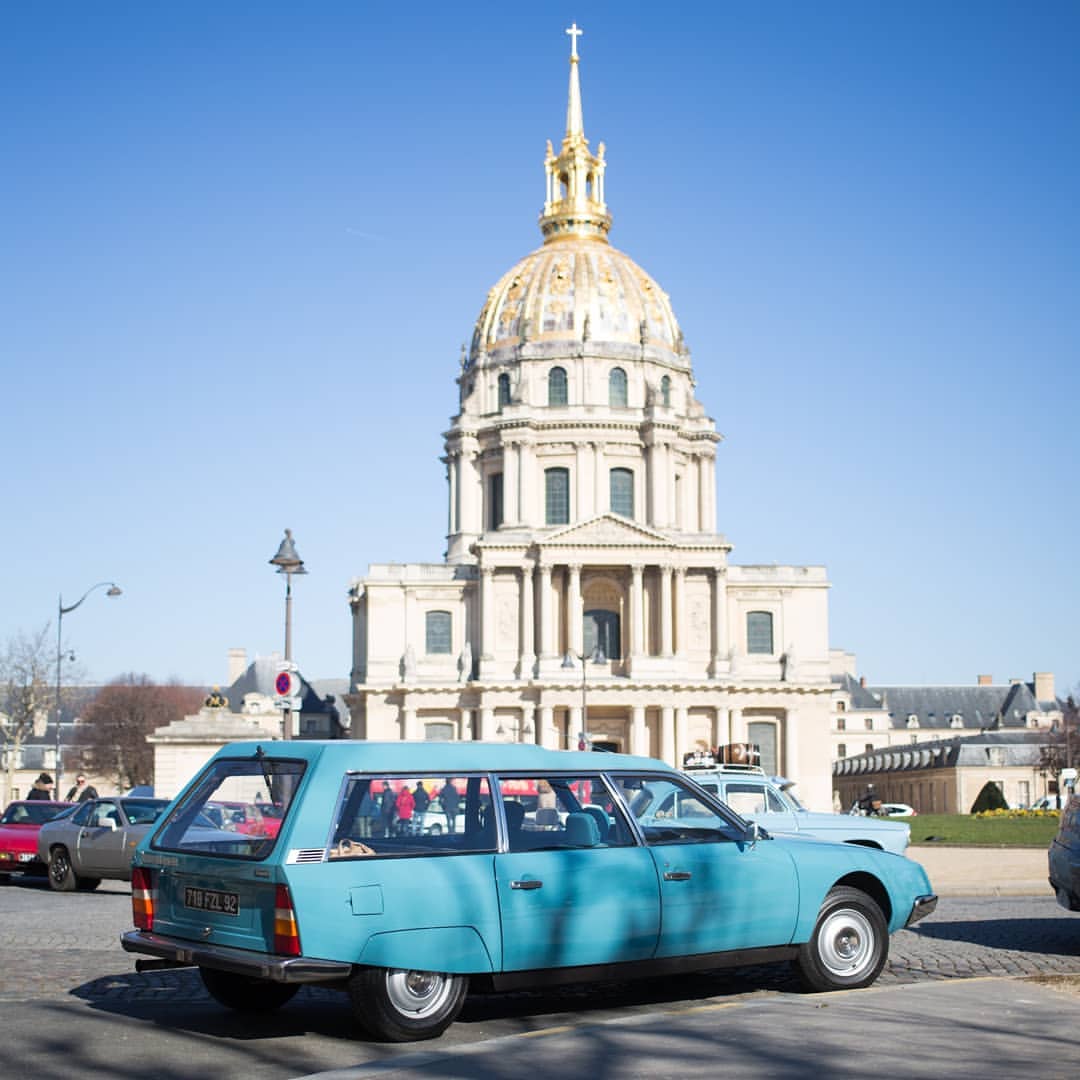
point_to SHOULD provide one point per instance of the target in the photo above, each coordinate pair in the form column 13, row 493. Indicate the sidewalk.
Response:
column 984, row 871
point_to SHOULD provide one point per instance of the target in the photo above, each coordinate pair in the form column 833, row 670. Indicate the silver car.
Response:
column 96, row 841
column 756, row 797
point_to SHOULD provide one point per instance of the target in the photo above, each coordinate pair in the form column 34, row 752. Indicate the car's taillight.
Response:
column 143, row 895
column 286, row 932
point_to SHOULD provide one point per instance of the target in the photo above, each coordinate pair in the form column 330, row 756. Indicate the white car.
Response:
column 757, row 797
column 897, row 809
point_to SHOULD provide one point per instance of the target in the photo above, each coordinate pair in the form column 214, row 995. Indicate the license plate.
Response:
column 224, row 903
column 26, row 856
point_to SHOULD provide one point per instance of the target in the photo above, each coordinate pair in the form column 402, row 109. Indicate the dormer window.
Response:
column 912, row 720
column 956, row 721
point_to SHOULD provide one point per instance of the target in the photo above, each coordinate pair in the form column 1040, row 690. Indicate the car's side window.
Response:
column 552, row 811
column 670, row 812
column 776, row 804
column 82, row 815
column 746, row 799
column 410, row 815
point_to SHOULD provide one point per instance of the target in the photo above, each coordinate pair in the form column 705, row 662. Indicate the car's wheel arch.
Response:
column 872, row 886
column 860, row 842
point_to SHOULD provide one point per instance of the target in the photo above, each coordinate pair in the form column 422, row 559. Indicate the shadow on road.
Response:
column 1051, row 937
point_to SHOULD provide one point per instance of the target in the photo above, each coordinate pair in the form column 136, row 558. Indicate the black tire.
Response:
column 402, row 1006
column 61, row 873
column 87, row 884
column 849, row 945
column 245, row 993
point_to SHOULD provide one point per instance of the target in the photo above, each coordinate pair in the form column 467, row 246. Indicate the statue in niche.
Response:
column 465, row 663
column 790, row 667
column 408, row 664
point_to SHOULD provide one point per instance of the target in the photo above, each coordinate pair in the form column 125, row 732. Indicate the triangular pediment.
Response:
column 606, row 530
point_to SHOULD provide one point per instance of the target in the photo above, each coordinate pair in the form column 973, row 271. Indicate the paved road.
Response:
column 80, row 1010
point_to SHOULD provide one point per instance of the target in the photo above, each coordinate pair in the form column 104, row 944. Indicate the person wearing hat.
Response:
column 42, row 788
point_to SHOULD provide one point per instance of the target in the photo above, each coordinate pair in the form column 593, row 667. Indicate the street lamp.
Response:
column 288, row 563
column 61, row 611
column 597, row 657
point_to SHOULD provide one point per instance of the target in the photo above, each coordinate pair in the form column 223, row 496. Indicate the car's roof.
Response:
column 430, row 757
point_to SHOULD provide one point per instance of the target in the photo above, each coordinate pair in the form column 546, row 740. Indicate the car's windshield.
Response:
column 143, row 811
column 31, row 813
column 213, row 818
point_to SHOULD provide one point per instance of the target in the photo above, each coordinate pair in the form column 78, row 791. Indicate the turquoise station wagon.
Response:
column 547, row 866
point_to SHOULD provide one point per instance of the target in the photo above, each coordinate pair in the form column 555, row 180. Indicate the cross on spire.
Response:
column 574, row 33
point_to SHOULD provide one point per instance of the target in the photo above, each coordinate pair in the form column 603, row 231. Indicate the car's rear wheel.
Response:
column 400, row 1006
column 849, row 945
column 61, row 873
column 245, row 993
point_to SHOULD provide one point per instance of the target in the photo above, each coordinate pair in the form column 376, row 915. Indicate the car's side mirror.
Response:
column 110, row 824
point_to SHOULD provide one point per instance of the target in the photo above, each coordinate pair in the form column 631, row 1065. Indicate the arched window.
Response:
column 602, row 632
column 622, row 492
column 557, row 386
column 617, row 388
column 665, row 392
column 437, row 632
column 557, row 496
column 759, row 635
column 504, row 390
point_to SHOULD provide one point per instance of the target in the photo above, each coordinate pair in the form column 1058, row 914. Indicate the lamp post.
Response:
column 288, row 563
column 61, row 611
column 597, row 657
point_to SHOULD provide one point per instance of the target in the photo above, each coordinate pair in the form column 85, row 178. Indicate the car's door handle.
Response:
column 530, row 883
column 676, row 875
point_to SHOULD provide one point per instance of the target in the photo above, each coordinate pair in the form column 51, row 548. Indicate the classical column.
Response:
column 710, row 515
column 667, row 734
column 575, row 726
column 487, row 723
column 719, row 620
column 721, row 728
column 546, row 647
column 469, row 488
column 680, row 609
column 601, row 490
column 545, row 729
column 528, row 722
column 573, row 610
column 639, row 734
column 665, row 611
column 487, row 612
column 581, row 509
column 738, row 726
column 409, row 730
column 528, row 622
column 682, row 734
column 452, row 481
column 527, row 483
column 789, row 766
column 636, row 612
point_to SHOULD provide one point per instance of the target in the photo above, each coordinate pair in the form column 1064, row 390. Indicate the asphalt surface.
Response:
column 987, row 984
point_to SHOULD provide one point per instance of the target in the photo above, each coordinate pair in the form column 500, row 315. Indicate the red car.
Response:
column 19, row 826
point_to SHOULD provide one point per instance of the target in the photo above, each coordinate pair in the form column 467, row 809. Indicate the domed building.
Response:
column 586, row 595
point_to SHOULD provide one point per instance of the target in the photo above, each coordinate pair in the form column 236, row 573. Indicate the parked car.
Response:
column 96, row 841
column 897, row 809
column 19, row 825
column 1064, row 857
column 634, row 870
column 756, row 797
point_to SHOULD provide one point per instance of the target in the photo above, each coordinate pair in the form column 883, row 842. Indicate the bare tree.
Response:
column 25, row 694
column 122, row 715
column 1064, row 752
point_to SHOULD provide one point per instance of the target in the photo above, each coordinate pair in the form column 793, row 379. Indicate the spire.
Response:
column 575, row 178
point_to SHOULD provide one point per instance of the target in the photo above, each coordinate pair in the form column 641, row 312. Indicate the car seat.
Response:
column 603, row 822
column 581, row 830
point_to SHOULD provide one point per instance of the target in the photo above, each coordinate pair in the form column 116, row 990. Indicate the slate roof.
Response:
column 997, row 748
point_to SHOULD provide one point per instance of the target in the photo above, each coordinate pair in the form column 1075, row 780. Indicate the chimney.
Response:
column 237, row 664
column 862, row 681
column 1044, row 685
column 986, row 680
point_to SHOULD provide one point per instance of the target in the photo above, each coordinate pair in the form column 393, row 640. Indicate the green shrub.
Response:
column 990, row 798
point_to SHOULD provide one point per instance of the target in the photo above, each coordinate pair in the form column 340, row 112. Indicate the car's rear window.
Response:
column 236, row 808
column 31, row 813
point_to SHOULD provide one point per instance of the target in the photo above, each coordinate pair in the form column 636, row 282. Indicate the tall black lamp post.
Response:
column 568, row 663
column 288, row 563
column 61, row 611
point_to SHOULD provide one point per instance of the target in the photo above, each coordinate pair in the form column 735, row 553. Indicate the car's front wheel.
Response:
column 849, row 945
column 245, row 993
column 61, row 873
column 400, row 1006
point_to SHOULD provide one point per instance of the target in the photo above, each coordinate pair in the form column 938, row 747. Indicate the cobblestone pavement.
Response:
column 56, row 944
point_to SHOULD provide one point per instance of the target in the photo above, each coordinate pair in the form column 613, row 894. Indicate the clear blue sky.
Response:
column 243, row 242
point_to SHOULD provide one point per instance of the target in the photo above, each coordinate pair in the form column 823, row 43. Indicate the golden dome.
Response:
column 576, row 288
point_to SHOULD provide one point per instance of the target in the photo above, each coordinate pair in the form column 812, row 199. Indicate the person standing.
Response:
column 82, row 790
column 42, row 788
column 450, row 801
column 421, row 801
column 403, row 806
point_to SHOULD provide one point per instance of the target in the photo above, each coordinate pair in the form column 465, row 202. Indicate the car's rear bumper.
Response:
column 286, row 969
column 922, row 907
